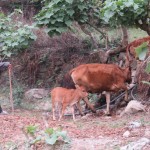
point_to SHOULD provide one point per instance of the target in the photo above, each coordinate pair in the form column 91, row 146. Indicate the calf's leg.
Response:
column 89, row 104
column 80, row 108
column 64, row 105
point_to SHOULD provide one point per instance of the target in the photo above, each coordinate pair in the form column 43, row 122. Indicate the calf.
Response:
column 66, row 97
column 96, row 78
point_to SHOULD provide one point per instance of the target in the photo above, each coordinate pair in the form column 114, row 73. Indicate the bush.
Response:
column 49, row 136
column 14, row 37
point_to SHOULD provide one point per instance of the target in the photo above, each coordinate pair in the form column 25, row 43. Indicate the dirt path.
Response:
column 92, row 132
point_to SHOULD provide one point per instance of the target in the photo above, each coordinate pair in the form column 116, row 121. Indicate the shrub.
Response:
column 49, row 136
column 14, row 37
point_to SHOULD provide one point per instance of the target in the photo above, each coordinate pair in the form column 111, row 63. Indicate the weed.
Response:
column 48, row 136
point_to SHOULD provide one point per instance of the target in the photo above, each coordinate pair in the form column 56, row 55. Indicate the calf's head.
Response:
column 81, row 91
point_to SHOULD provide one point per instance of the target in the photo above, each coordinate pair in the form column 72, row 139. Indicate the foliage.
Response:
column 49, row 136
column 58, row 15
column 31, row 129
column 141, row 52
column 53, row 135
column 18, row 94
column 14, row 37
column 126, row 12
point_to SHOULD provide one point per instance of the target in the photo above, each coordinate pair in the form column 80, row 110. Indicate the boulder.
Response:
column 37, row 99
column 137, row 145
column 133, row 106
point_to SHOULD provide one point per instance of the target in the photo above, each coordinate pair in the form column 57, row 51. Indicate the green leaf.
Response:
column 48, row 14
column 31, row 129
column 15, row 44
column 69, row 1
column 142, row 50
column 108, row 14
column 81, row 7
column 7, row 53
column 38, row 138
column 68, row 23
column 60, row 19
column 51, row 140
column 128, row 3
column 49, row 131
column 63, row 134
column 61, row 29
column 136, row 6
column 70, row 12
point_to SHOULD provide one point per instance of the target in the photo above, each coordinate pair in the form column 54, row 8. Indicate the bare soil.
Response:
column 91, row 132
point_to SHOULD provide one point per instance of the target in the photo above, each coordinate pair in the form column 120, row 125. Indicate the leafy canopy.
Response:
column 58, row 15
column 14, row 37
column 125, row 12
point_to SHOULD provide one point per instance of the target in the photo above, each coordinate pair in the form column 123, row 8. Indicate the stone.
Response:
column 133, row 106
column 37, row 99
column 134, row 124
column 137, row 145
column 35, row 93
column 126, row 134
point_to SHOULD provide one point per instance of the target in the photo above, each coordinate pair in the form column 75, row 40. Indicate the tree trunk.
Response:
column 124, row 36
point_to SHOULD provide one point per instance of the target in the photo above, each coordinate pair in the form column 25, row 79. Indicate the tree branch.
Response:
column 103, row 34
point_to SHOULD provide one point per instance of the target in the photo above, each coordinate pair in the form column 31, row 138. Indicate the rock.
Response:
column 36, row 93
column 134, row 124
column 37, row 99
column 147, row 133
column 4, row 113
column 126, row 134
column 133, row 107
column 137, row 145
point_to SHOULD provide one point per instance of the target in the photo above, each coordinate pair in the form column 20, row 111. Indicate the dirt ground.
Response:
column 90, row 132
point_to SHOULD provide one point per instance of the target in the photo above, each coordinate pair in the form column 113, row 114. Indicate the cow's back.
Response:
column 97, row 77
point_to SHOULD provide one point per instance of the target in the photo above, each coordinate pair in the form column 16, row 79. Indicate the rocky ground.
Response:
column 91, row 132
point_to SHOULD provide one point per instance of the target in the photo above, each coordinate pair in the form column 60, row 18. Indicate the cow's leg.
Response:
column 126, row 96
column 63, row 110
column 73, row 113
column 124, row 86
column 80, row 108
column 89, row 104
column 108, row 103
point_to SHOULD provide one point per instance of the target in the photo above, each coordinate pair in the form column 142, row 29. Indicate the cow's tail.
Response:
column 67, row 81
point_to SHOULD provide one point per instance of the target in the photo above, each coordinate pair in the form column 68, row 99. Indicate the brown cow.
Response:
column 96, row 78
column 66, row 97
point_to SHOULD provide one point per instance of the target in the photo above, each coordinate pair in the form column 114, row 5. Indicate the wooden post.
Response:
column 10, row 83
